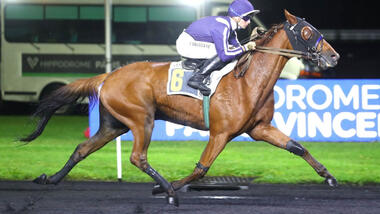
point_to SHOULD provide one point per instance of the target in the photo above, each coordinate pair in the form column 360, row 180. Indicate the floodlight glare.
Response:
column 193, row 2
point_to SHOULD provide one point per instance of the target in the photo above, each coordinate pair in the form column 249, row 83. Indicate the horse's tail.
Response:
column 67, row 94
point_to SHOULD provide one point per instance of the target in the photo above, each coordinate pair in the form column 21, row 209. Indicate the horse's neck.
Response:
column 266, row 68
column 263, row 73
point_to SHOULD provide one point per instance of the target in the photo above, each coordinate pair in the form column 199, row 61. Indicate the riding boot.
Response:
column 197, row 80
column 192, row 64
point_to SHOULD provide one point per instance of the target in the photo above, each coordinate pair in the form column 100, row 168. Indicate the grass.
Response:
column 350, row 163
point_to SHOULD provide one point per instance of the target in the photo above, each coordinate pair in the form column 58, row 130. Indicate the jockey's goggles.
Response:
column 246, row 18
column 250, row 15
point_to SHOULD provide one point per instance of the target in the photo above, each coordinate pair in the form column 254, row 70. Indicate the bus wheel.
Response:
column 66, row 109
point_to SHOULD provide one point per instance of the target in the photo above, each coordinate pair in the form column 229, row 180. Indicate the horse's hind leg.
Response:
column 109, row 129
column 268, row 133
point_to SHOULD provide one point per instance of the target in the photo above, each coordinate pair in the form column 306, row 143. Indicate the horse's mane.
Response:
column 244, row 61
column 269, row 35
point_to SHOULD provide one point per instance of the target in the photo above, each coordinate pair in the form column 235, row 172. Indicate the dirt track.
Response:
column 101, row 197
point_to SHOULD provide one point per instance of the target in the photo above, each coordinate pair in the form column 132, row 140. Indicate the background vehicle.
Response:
column 47, row 44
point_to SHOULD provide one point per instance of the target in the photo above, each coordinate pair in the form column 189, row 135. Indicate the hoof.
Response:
column 157, row 189
column 173, row 200
column 332, row 182
column 41, row 180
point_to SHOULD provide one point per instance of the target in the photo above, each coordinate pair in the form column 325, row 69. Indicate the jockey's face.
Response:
column 242, row 23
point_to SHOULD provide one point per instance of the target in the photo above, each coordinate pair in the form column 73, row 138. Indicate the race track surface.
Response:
column 113, row 197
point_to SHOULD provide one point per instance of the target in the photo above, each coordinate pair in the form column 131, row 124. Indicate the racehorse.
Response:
column 134, row 96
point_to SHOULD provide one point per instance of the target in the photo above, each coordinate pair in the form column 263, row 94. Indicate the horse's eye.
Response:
column 306, row 33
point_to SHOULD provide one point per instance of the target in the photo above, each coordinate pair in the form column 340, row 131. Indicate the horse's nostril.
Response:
column 335, row 59
column 335, row 56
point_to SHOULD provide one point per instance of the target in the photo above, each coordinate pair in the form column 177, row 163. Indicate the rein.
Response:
column 287, row 52
column 278, row 51
column 304, row 51
column 301, row 49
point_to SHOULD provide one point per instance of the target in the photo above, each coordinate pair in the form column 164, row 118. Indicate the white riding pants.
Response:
column 190, row 48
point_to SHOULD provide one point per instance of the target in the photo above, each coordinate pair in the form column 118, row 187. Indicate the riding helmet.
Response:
column 242, row 8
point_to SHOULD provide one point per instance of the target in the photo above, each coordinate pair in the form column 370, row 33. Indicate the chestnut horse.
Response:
column 134, row 96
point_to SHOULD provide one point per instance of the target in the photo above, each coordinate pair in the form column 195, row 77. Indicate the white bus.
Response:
column 49, row 43
column 46, row 44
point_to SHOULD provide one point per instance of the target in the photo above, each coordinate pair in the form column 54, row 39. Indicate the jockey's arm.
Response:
column 233, row 40
column 221, row 40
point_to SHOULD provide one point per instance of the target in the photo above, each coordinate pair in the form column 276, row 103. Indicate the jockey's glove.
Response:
column 249, row 46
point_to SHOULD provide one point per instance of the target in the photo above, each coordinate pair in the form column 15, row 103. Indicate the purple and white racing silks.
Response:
column 209, row 36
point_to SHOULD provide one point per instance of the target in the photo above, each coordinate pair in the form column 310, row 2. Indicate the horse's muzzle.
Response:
column 328, row 60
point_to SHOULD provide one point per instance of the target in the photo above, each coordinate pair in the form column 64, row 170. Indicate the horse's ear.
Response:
column 291, row 18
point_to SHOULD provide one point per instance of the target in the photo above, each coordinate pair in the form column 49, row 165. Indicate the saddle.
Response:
column 178, row 75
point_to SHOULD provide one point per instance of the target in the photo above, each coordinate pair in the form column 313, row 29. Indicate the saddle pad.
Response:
column 178, row 77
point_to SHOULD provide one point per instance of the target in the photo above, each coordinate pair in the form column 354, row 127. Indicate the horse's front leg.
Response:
column 142, row 132
column 214, row 147
column 268, row 133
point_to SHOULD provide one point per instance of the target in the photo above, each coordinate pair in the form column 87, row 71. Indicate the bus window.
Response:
column 90, row 26
column 85, row 23
column 151, row 25
column 24, row 12
column 22, row 22
column 169, row 20
column 91, row 13
column 130, row 24
column 58, row 23
column 61, row 12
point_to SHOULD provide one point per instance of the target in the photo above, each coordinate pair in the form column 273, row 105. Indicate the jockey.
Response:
column 213, row 39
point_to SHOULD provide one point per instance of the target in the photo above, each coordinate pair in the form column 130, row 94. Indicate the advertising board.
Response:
column 305, row 110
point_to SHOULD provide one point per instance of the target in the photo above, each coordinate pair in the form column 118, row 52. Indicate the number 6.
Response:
column 177, row 80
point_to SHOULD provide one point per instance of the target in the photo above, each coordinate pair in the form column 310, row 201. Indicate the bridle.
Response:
column 307, row 47
column 306, row 44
